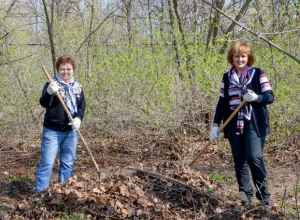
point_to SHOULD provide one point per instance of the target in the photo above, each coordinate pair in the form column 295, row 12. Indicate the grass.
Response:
column 67, row 217
column 218, row 177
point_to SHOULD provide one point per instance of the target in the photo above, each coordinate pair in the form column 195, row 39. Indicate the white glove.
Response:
column 52, row 88
column 214, row 134
column 76, row 123
column 250, row 96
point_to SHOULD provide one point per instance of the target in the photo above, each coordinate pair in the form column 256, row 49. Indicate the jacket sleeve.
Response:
column 46, row 100
column 219, row 114
column 267, row 96
column 81, row 106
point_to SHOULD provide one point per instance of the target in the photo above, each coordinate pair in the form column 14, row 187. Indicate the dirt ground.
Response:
column 118, row 158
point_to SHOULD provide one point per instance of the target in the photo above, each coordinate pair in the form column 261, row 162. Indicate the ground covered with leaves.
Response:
column 144, row 180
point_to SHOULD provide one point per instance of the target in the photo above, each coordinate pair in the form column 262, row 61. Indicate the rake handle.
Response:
column 72, row 120
column 219, row 131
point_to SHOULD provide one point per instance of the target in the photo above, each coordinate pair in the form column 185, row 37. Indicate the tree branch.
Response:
column 7, row 33
column 254, row 33
column 91, row 33
column 12, row 61
column 232, row 25
column 215, row 198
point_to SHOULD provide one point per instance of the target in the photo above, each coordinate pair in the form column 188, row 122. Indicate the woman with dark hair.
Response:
column 58, row 132
column 247, row 131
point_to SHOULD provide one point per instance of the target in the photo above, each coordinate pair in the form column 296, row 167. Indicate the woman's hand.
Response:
column 214, row 134
column 52, row 88
column 76, row 123
column 250, row 96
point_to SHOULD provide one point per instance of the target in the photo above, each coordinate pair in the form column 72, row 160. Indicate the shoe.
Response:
column 267, row 201
column 244, row 198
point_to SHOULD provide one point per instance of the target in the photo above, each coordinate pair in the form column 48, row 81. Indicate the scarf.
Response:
column 70, row 100
column 241, row 83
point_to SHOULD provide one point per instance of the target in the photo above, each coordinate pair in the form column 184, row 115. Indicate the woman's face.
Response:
column 66, row 72
column 240, row 61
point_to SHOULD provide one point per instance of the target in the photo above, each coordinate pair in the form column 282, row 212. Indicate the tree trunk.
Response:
column 50, row 33
column 161, row 20
column 209, row 34
column 233, row 24
column 150, row 26
column 174, row 41
column 88, row 54
column 179, row 22
column 182, row 36
column 216, row 21
column 127, row 5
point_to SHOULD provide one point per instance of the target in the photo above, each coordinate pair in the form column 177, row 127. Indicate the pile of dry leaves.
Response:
column 164, row 191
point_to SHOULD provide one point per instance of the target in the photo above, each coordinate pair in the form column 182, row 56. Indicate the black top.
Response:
column 259, row 115
column 55, row 117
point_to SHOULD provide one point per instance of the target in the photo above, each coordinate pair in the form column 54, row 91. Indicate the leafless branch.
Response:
column 217, row 199
column 253, row 32
column 12, row 61
column 99, row 25
column 7, row 33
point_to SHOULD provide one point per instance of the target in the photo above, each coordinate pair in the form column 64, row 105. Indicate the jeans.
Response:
column 247, row 150
column 52, row 141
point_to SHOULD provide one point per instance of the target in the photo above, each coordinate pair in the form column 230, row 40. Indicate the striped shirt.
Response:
column 234, row 92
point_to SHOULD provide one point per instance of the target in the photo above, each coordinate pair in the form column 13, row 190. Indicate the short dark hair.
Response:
column 241, row 48
column 65, row 59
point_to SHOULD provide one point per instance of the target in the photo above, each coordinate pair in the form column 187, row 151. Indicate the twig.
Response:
column 26, row 97
column 283, row 201
column 7, row 33
column 217, row 199
column 296, row 195
column 12, row 61
column 262, row 199
column 281, row 32
column 100, row 214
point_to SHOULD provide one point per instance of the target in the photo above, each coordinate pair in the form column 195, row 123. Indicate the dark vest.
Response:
column 260, row 115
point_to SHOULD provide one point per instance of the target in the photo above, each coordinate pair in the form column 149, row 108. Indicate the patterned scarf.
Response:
column 70, row 95
column 238, row 88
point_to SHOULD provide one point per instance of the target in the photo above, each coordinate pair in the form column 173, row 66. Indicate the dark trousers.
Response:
column 247, row 150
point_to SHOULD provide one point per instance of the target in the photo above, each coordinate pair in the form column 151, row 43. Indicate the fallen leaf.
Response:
column 123, row 190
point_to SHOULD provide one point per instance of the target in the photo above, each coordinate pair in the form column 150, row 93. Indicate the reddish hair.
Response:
column 241, row 48
column 65, row 59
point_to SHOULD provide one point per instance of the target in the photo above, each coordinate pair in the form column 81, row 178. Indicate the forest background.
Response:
column 149, row 68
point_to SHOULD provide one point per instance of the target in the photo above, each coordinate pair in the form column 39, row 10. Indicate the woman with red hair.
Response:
column 247, row 131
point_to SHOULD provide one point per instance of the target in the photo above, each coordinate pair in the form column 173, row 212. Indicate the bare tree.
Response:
column 173, row 33
column 150, row 25
column 255, row 33
column 233, row 24
column 50, row 33
column 214, row 23
column 128, row 10
column 89, row 42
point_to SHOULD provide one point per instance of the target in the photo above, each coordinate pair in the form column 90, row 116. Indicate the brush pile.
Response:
column 164, row 191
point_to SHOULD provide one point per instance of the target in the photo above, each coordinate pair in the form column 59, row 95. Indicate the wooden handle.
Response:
column 220, row 130
column 71, row 119
column 231, row 116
